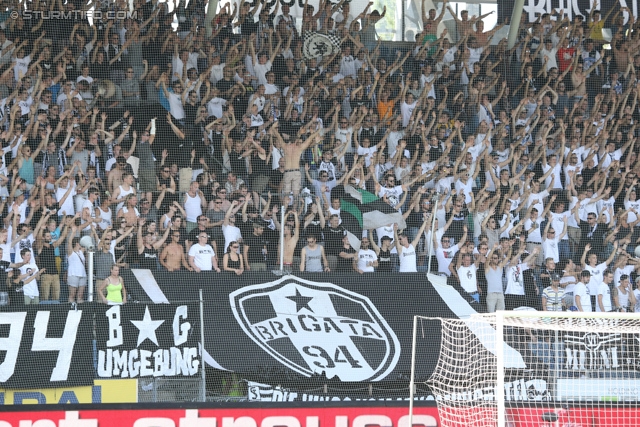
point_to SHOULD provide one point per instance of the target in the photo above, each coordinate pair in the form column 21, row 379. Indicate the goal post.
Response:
column 535, row 368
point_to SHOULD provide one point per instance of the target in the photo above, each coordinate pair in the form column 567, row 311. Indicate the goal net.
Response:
column 530, row 368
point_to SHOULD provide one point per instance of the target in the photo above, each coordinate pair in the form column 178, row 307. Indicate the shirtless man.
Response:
column 292, row 179
column 482, row 37
column 431, row 19
column 290, row 241
column 172, row 256
column 464, row 25
column 579, row 75
column 115, row 175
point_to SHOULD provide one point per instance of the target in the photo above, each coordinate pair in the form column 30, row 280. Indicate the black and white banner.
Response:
column 317, row 45
column 148, row 340
column 535, row 8
column 46, row 346
column 317, row 327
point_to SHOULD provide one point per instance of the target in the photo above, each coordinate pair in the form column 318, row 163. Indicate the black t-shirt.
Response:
column 456, row 230
column 224, row 85
column 3, row 276
column 256, row 244
column 333, row 240
column 345, row 264
column 246, row 228
column 384, row 262
column 276, row 178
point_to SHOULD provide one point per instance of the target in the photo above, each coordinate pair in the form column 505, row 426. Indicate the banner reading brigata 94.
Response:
column 347, row 328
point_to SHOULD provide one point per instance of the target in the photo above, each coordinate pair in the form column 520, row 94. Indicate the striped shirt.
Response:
column 554, row 298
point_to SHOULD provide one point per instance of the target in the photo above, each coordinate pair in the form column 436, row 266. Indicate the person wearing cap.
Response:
column 553, row 296
column 581, row 296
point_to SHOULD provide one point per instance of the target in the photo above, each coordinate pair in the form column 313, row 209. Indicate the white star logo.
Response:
column 147, row 327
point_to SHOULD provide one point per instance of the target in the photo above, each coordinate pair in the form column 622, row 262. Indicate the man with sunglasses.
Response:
column 202, row 257
column 174, row 97
column 390, row 192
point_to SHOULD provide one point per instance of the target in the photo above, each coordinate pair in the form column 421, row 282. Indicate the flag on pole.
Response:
column 361, row 210
column 318, row 44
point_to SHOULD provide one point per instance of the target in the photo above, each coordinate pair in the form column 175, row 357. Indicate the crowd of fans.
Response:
column 174, row 150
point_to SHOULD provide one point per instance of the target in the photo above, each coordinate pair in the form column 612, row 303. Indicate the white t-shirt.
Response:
column 21, row 67
column 557, row 223
column 393, row 194
column 175, row 106
column 214, row 107
column 445, row 257
column 605, row 291
column 627, row 269
column 533, row 230
column 407, row 111
column 22, row 244
column 468, row 278
column 31, row 288
column 365, row 256
column 408, row 260
column 77, row 262
column 231, row 234
column 582, row 291
column 261, row 71
column 367, row 153
column 92, row 212
column 550, row 248
column 202, row 256
column 596, row 277
column 515, row 281
column 540, row 197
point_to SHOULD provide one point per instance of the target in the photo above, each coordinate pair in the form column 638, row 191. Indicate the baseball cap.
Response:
column 555, row 277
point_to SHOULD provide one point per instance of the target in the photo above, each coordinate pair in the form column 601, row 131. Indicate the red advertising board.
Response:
column 584, row 416
column 237, row 417
column 327, row 416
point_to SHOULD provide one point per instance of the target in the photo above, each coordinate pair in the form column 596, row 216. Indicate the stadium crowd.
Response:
column 174, row 150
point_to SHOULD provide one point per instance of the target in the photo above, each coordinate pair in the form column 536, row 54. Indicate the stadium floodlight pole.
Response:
column 203, row 373
column 412, row 383
column 211, row 13
column 435, row 202
column 516, row 16
column 91, row 252
column 502, row 416
column 282, row 239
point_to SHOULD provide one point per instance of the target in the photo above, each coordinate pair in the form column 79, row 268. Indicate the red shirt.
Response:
column 565, row 56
